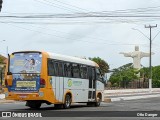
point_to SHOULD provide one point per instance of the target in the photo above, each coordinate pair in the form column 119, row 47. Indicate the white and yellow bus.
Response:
column 43, row 77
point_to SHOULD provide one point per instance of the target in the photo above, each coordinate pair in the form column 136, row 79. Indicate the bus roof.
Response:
column 72, row 59
column 64, row 58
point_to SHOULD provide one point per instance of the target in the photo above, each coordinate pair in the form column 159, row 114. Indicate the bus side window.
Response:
column 98, row 74
column 60, row 69
column 83, row 71
column 50, row 64
column 93, row 74
column 67, row 69
column 76, row 71
column 94, row 77
column 56, row 68
column 89, row 73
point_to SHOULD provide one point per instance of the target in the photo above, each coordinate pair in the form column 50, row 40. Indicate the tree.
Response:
column 145, row 73
column 102, row 64
column 156, row 76
column 124, row 75
column 2, row 59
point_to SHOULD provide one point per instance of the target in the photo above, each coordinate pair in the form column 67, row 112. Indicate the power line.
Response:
column 71, row 5
column 139, row 12
column 70, row 38
column 64, row 6
column 156, row 35
column 55, row 5
column 136, row 10
column 83, row 16
column 72, row 21
column 99, row 39
column 133, row 10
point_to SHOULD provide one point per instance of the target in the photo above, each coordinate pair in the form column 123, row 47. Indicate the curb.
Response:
column 133, row 97
column 107, row 100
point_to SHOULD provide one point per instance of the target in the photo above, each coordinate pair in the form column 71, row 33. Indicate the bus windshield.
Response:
column 25, row 63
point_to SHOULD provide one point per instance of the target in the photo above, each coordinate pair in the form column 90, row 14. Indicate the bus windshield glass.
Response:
column 25, row 63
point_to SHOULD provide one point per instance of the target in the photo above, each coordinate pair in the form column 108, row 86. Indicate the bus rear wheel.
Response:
column 67, row 102
column 33, row 104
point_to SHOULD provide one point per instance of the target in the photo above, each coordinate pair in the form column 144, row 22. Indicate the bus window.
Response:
column 60, row 69
column 76, row 72
column 93, row 74
column 25, row 63
column 56, row 68
column 67, row 69
column 51, row 71
column 83, row 71
column 98, row 74
column 93, row 77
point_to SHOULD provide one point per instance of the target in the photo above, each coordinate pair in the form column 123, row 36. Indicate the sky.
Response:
column 103, row 37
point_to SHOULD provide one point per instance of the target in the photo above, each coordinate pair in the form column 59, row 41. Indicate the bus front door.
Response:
column 92, row 85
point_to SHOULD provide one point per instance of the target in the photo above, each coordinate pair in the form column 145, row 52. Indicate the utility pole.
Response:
column 150, row 57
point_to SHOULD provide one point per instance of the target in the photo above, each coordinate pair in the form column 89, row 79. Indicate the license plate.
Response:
column 22, row 96
column 26, row 84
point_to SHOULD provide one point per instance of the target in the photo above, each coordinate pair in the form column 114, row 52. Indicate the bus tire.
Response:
column 99, row 99
column 67, row 102
column 33, row 104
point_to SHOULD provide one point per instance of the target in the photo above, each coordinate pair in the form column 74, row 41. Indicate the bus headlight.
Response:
column 41, row 94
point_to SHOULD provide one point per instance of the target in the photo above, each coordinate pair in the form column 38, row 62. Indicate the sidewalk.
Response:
column 130, row 94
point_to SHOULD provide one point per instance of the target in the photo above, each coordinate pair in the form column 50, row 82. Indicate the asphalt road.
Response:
column 150, row 104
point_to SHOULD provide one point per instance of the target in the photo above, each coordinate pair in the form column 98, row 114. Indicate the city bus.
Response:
column 39, row 77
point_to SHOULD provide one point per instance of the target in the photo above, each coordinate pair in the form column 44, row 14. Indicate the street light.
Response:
column 150, row 58
column 141, row 33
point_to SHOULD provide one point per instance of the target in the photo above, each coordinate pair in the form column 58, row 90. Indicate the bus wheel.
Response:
column 98, row 102
column 67, row 102
column 33, row 104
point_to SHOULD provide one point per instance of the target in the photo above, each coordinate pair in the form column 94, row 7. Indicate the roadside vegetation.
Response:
column 128, row 74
